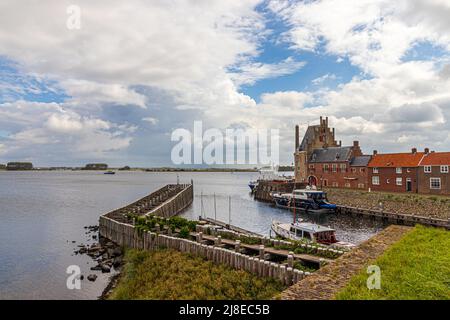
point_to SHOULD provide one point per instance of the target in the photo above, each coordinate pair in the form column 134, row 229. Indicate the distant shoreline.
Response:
column 150, row 169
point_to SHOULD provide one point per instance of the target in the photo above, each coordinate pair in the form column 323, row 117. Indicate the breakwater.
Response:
column 127, row 235
column 264, row 257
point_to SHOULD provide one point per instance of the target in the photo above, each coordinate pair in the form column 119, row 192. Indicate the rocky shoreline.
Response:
column 107, row 255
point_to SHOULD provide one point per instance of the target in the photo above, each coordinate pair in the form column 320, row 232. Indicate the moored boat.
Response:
column 308, row 200
column 310, row 232
column 109, row 172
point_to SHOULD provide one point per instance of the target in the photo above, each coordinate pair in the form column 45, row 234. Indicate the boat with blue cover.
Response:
column 309, row 200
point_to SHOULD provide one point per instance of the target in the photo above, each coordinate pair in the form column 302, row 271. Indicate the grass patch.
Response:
column 416, row 267
column 171, row 275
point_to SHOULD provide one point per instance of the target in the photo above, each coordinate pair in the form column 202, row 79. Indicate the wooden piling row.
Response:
column 126, row 235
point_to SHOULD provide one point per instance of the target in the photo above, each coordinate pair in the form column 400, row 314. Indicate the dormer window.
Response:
column 427, row 169
column 375, row 170
column 398, row 170
column 444, row 169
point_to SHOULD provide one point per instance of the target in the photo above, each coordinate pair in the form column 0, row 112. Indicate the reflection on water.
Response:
column 41, row 213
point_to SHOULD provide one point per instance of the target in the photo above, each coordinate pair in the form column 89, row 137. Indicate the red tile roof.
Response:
column 436, row 159
column 396, row 160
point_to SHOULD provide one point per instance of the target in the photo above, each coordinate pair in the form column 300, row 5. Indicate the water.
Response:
column 41, row 213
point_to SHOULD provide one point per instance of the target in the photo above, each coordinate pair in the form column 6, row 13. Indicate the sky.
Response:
column 114, row 89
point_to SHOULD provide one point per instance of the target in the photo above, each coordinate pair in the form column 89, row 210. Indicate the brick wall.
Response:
column 390, row 174
column 424, row 181
column 350, row 177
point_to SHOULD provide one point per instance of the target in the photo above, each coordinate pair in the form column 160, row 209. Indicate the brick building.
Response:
column 433, row 173
column 320, row 160
column 394, row 172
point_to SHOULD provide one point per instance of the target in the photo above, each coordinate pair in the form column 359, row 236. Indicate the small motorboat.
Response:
column 309, row 232
column 109, row 172
column 309, row 200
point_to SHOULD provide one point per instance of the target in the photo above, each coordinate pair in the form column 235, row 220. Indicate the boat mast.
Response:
column 293, row 199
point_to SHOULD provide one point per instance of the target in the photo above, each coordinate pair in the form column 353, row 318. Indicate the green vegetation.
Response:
column 168, row 274
column 184, row 227
column 416, row 267
column 144, row 223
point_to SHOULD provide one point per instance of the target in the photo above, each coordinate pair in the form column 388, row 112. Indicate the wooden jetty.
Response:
column 167, row 201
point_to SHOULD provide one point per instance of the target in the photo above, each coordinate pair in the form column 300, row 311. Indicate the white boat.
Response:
column 269, row 173
column 309, row 232
column 310, row 200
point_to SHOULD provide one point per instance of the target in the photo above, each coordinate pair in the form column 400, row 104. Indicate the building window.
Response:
column 375, row 170
column 335, row 184
column 354, row 170
column 399, row 181
column 347, row 185
column 376, row 180
column 435, row 183
column 361, row 169
column 398, row 170
column 427, row 169
column 325, row 182
column 325, row 168
column 361, row 185
column 444, row 169
column 343, row 167
column 311, row 166
column 334, row 167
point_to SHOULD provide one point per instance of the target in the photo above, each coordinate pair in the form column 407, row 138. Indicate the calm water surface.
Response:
column 41, row 213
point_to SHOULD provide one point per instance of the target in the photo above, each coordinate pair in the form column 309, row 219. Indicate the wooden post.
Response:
column 237, row 246
column 290, row 259
column 261, row 251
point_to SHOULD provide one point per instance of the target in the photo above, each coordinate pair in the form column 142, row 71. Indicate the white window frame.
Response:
column 375, row 170
column 334, row 167
column 431, row 183
column 398, row 181
column 375, row 180
column 398, row 170
column 444, row 169
column 427, row 169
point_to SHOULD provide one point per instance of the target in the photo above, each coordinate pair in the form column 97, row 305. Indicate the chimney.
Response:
column 427, row 151
column 333, row 133
column 340, row 143
column 356, row 143
column 414, row 150
column 326, row 121
column 297, row 138
column 375, row 152
column 321, row 121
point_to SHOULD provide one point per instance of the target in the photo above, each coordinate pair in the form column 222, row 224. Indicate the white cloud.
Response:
column 151, row 120
column 250, row 73
column 324, row 78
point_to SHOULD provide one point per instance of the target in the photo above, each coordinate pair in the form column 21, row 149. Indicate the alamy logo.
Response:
column 74, row 20
column 73, row 281
column 236, row 146
column 374, row 280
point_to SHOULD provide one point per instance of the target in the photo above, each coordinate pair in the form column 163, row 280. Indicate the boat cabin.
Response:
column 313, row 232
